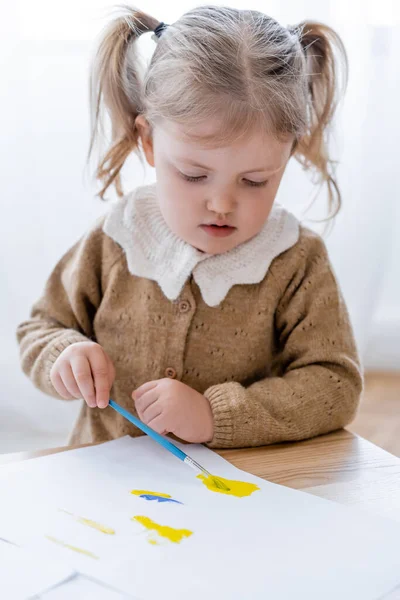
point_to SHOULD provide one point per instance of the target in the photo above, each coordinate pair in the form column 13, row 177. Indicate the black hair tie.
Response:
column 159, row 29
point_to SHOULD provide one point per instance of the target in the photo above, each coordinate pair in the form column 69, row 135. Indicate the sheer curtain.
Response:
column 47, row 202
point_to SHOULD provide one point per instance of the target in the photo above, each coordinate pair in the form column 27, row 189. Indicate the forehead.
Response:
column 203, row 142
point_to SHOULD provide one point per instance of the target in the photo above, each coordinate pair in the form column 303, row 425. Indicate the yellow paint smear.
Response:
column 74, row 548
column 170, row 533
column 97, row 526
column 234, row 488
column 142, row 492
column 93, row 524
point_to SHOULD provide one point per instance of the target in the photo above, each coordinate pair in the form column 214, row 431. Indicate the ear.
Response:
column 146, row 137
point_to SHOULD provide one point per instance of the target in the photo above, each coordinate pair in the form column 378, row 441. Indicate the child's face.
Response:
column 232, row 191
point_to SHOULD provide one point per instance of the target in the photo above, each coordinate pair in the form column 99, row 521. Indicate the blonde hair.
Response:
column 241, row 65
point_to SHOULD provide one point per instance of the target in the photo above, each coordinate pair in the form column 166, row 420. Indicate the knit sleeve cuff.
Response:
column 218, row 397
column 53, row 351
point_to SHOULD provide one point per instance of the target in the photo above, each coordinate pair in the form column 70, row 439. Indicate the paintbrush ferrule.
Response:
column 195, row 465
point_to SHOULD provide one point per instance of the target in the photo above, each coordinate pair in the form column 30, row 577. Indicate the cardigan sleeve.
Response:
column 317, row 378
column 65, row 312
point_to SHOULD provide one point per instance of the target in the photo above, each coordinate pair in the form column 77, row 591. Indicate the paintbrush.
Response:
column 168, row 445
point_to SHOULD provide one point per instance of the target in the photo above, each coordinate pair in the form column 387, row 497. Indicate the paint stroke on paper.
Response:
column 230, row 487
column 163, row 531
column 90, row 523
column 154, row 496
column 69, row 547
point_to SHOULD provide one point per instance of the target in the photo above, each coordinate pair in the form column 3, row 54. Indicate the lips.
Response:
column 218, row 224
column 218, row 229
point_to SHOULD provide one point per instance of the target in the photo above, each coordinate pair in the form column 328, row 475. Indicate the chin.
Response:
column 215, row 248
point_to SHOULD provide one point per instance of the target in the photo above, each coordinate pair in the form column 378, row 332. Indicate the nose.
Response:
column 221, row 203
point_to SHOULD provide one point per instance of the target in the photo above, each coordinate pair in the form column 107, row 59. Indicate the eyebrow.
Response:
column 258, row 170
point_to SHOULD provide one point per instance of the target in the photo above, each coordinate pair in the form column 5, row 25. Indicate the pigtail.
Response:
column 326, row 61
column 115, row 86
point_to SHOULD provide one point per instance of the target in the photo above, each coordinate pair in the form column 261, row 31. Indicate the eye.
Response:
column 193, row 179
column 256, row 183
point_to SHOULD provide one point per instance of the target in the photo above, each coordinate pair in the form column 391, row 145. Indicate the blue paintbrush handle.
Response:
column 168, row 445
column 150, row 432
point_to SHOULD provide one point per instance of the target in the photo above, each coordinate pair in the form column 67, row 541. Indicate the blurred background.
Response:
column 48, row 199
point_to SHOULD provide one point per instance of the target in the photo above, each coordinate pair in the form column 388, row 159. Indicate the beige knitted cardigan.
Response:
column 262, row 332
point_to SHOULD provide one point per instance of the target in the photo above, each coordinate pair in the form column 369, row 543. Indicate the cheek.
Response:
column 179, row 208
column 255, row 210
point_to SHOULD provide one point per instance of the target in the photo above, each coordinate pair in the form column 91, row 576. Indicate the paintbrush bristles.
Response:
column 216, row 481
column 220, row 484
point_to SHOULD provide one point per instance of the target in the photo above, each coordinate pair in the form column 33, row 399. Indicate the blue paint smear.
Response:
column 158, row 498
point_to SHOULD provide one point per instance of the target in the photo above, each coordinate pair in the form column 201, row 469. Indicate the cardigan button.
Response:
column 184, row 306
column 170, row 372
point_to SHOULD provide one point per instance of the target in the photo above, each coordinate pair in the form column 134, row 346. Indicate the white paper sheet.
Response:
column 83, row 588
column 278, row 543
column 24, row 574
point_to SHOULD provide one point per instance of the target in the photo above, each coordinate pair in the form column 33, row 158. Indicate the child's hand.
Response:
column 83, row 370
column 169, row 406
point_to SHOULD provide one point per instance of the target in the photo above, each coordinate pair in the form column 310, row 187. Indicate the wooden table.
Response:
column 339, row 466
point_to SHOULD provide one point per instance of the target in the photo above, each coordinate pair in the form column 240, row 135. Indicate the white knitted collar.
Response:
column 135, row 223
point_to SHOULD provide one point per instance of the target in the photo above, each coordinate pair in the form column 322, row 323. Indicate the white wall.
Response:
column 47, row 203
column 383, row 346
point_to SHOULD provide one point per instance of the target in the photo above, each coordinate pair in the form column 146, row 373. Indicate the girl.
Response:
column 196, row 302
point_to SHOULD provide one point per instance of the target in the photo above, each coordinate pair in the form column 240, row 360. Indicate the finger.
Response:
column 146, row 400
column 143, row 389
column 158, row 425
column 83, row 376
column 111, row 370
column 151, row 412
column 100, row 374
column 68, row 379
column 60, row 387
